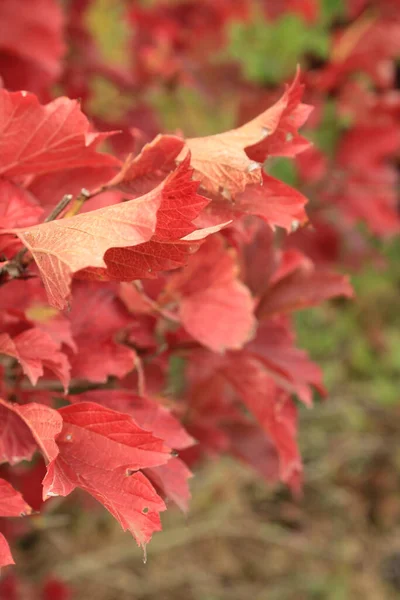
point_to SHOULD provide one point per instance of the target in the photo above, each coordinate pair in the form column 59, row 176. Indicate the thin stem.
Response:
column 141, row 377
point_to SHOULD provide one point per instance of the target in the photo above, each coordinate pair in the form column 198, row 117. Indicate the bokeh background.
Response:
column 201, row 67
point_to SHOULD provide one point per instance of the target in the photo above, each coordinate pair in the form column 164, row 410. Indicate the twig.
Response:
column 141, row 377
column 154, row 305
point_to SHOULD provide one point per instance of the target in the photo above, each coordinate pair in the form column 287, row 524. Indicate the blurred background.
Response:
column 200, row 67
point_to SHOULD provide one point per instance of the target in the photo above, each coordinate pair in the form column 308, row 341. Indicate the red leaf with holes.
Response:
column 102, row 452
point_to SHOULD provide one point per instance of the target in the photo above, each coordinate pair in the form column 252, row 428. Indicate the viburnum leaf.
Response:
column 117, row 359
column 304, row 287
column 174, row 239
column 277, row 203
column 288, row 366
column 145, row 261
column 5, row 552
column 26, row 428
column 58, row 139
column 102, row 452
column 64, row 247
column 18, row 208
column 12, row 503
column 147, row 412
column 36, row 350
column 31, row 43
column 273, row 409
column 171, row 478
column 156, row 160
column 215, row 307
column 228, row 162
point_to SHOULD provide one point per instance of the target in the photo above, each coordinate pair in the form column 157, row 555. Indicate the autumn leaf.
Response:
column 273, row 409
column 5, row 552
column 102, row 451
column 31, row 43
column 290, row 367
column 156, row 160
column 64, row 247
column 215, row 307
column 105, row 332
column 304, row 287
column 27, row 428
column 227, row 162
column 58, row 139
column 18, row 208
column 12, row 503
column 147, row 412
column 175, row 238
column 278, row 204
column 35, row 350
column 172, row 478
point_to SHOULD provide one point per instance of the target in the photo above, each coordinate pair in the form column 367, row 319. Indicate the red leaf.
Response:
column 58, row 139
column 31, row 43
column 156, row 160
column 308, row 9
column 64, row 247
column 17, row 209
column 103, row 332
column 35, row 350
column 55, row 589
column 274, row 410
column 101, row 451
column 275, row 202
column 12, row 503
column 306, row 286
column 148, row 413
column 172, row 480
column 214, row 306
column 5, row 552
column 24, row 429
column 174, row 239
column 290, row 367
column 229, row 161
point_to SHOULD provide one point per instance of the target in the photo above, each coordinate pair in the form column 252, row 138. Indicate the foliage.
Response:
column 148, row 281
